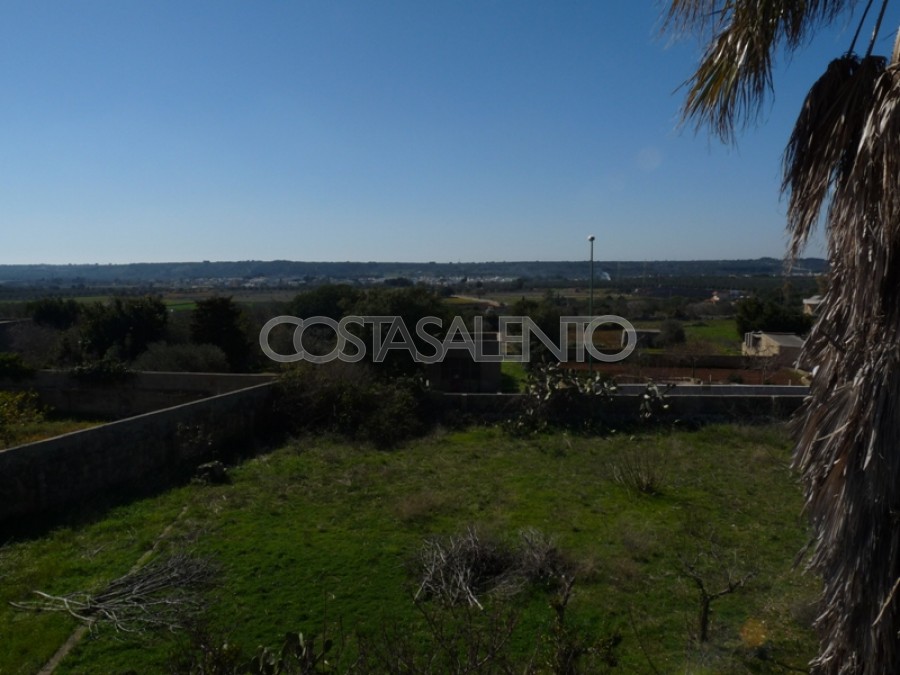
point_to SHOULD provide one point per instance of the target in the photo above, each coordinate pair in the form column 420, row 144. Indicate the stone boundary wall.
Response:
column 728, row 390
column 667, row 360
column 134, row 394
column 684, row 406
column 151, row 448
column 48, row 475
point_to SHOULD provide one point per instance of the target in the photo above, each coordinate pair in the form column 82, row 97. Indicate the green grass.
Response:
column 513, row 376
column 719, row 332
column 320, row 526
column 180, row 305
column 47, row 428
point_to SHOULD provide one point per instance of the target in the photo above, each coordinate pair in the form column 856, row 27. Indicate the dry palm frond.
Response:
column 848, row 447
column 735, row 73
column 843, row 162
column 825, row 140
column 798, row 18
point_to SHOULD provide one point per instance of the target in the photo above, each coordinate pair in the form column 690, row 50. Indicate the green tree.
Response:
column 409, row 304
column 54, row 312
column 841, row 166
column 671, row 332
column 331, row 300
column 546, row 315
column 122, row 328
column 219, row 321
column 753, row 314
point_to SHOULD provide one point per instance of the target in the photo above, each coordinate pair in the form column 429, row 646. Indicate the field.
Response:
column 719, row 333
column 320, row 534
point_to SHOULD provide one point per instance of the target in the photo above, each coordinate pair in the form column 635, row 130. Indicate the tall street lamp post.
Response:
column 591, row 304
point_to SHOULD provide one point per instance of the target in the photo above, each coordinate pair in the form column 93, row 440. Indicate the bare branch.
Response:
column 159, row 595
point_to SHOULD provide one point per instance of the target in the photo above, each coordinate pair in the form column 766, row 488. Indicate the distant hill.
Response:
column 287, row 271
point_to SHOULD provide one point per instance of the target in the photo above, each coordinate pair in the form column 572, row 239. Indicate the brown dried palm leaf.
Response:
column 735, row 73
column 823, row 145
column 848, row 448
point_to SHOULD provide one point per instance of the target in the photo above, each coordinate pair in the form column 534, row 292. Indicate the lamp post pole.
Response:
column 591, row 305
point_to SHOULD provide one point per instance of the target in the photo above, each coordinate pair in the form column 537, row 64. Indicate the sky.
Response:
column 375, row 130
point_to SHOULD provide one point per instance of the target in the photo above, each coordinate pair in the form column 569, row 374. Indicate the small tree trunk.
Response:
column 705, row 602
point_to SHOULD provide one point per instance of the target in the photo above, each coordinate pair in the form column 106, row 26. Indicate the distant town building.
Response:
column 719, row 296
column 783, row 347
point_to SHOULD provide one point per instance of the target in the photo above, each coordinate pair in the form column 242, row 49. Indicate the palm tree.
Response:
column 841, row 167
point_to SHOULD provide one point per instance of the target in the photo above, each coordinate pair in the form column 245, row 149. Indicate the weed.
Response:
column 640, row 469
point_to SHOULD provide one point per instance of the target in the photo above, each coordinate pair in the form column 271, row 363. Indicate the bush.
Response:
column 221, row 322
column 123, row 327
column 103, row 371
column 459, row 569
column 163, row 357
column 671, row 332
column 350, row 400
column 54, row 312
column 557, row 398
column 17, row 408
column 12, row 366
column 640, row 470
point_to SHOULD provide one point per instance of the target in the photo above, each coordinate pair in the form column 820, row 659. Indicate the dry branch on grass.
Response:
column 459, row 568
column 160, row 595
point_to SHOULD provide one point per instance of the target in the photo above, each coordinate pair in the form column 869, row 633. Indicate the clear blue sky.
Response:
column 381, row 130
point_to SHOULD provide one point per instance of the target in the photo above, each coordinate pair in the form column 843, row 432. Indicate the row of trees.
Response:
column 131, row 330
column 220, row 334
column 217, row 334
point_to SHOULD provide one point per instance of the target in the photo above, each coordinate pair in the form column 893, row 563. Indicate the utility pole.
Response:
column 591, row 307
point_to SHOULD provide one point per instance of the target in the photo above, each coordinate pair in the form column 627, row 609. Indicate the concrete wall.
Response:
column 717, row 390
column 624, row 408
column 53, row 474
column 48, row 475
column 135, row 394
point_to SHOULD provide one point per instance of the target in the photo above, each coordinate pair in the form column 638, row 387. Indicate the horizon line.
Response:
column 394, row 262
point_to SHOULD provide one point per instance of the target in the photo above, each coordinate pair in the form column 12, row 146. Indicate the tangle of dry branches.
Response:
column 159, row 595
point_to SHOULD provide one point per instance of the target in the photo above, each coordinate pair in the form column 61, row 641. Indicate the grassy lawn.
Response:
column 514, row 376
column 179, row 305
column 319, row 531
column 719, row 332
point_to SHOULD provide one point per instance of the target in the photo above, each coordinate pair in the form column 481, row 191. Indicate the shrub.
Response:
column 460, row 568
column 13, row 366
column 17, row 408
column 558, row 398
column 562, row 399
column 124, row 326
column 350, row 400
column 671, row 332
column 641, row 470
column 54, row 312
column 221, row 322
column 107, row 370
